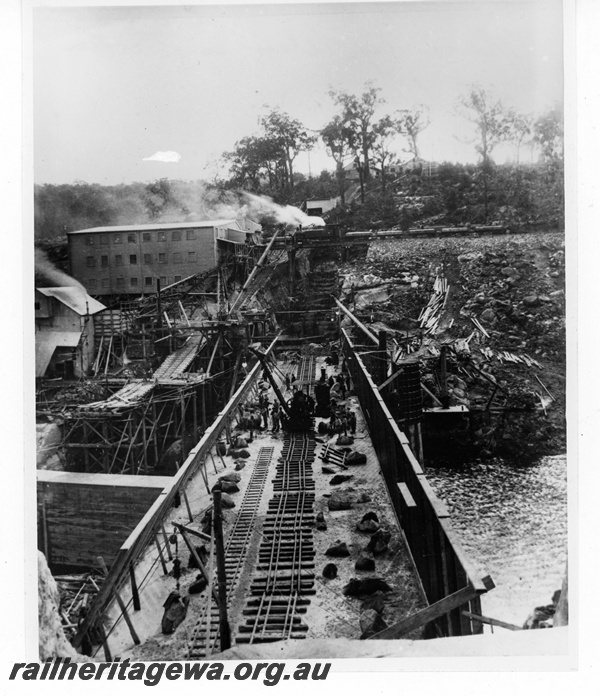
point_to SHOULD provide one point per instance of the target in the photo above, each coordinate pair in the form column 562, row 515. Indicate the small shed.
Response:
column 64, row 331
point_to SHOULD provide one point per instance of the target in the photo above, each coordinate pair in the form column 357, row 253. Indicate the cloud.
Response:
column 160, row 156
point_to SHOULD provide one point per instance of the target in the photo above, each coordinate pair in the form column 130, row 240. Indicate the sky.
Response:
column 114, row 86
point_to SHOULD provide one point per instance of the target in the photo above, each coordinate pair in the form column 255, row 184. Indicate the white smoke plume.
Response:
column 244, row 204
column 47, row 275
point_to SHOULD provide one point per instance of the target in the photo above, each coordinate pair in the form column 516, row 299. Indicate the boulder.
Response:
column 364, row 562
column 379, row 542
column 366, row 586
column 531, row 300
column 371, row 622
column 198, row 585
column 347, row 498
column 320, row 521
column 330, row 571
column 338, row 550
column 340, row 478
column 227, row 501
column 356, row 459
column 175, row 612
column 239, row 466
column 235, row 478
column 327, row 470
column 240, row 443
column 344, row 440
column 229, row 487
column 376, row 602
column 489, row 316
column 509, row 271
column 368, row 526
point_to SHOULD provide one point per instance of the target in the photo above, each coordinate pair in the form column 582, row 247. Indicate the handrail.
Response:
column 141, row 535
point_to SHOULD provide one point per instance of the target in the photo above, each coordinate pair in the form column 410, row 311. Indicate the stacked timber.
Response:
column 77, row 592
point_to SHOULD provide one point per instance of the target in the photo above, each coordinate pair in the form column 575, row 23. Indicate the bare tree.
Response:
column 488, row 116
column 410, row 123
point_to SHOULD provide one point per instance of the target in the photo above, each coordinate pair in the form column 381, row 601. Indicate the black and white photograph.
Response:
column 299, row 306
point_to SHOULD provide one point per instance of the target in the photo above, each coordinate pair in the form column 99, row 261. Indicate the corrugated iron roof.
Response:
column 46, row 342
column 75, row 298
column 158, row 226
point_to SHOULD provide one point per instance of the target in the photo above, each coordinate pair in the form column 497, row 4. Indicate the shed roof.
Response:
column 46, row 342
column 75, row 298
column 158, row 226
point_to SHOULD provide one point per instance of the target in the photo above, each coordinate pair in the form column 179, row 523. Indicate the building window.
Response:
column 176, row 279
column 131, row 238
column 117, row 239
column 190, row 234
column 162, row 236
column 176, row 257
column 176, row 236
column 163, row 280
column 91, row 283
column 133, row 281
column 120, row 282
column 105, row 282
column 148, row 281
column 162, row 258
column 118, row 260
column 89, row 239
column 103, row 239
column 90, row 261
column 148, row 259
column 132, row 259
column 104, row 261
column 146, row 237
column 191, row 257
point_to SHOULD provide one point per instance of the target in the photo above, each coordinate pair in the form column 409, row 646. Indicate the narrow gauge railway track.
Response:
column 235, row 554
column 278, row 593
column 306, row 372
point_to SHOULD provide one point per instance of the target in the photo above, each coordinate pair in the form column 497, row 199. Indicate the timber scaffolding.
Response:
column 131, row 430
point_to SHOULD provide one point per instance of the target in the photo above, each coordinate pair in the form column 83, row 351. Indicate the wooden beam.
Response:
column 492, row 622
column 121, row 604
column 358, row 323
column 425, row 616
column 390, row 379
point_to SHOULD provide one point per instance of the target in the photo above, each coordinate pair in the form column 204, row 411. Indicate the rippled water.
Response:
column 512, row 522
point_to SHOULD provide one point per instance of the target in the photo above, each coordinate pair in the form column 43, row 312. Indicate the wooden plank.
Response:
column 409, row 501
column 492, row 622
column 425, row 616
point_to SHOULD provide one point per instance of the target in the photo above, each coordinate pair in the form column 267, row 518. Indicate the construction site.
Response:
column 241, row 457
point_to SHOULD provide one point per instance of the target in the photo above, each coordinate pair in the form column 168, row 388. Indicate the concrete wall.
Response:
column 83, row 516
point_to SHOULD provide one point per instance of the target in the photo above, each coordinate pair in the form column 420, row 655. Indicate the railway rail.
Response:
column 285, row 578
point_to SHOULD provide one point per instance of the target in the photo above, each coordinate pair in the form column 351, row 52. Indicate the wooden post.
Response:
column 167, row 544
column 122, row 605
column 45, row 524
column 224, row 632
column 444, row 377
column 134, row 589
column 162, row 558
column 187, row 504
column 102, row 632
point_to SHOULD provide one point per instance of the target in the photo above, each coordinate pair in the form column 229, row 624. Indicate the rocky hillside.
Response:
column 513, row 286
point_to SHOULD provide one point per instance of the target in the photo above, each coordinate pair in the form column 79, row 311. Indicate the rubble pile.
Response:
column 499, row 307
